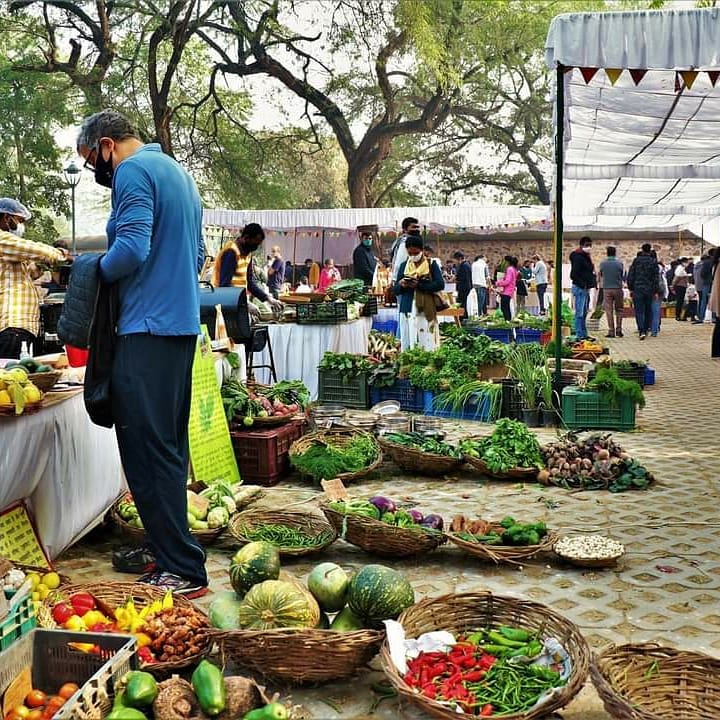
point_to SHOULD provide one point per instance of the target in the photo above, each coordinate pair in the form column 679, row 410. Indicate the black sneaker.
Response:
column 135, row 560
column 643, row 336
column 177, row 585
column 619, row 334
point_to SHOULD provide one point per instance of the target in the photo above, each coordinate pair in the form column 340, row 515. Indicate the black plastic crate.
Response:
column 326, row 313
column 511, row 406
column 370, row 308
column 334, row 389
column 54, row 663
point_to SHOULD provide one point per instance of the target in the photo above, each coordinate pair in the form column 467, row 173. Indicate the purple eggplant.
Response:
column 416, row 515
column 433, row 522
column 383, row 504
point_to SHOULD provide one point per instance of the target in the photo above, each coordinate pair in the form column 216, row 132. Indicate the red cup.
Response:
column 76, row 357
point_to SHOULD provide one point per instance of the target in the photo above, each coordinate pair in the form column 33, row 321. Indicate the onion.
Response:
column 383, row 504
column 433, row 522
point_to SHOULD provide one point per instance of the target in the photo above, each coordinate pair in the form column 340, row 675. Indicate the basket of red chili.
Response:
column 499, row 657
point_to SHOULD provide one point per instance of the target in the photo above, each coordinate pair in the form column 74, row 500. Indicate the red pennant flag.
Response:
column 689, row 77
column 588, row 74
column 613, row 74
column 713, row 75
column 637, row 75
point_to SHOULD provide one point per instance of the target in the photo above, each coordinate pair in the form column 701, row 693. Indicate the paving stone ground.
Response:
column 665, row 589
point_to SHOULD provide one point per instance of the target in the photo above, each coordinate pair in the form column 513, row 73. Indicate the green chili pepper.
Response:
column 512, row 633
column 500, row 639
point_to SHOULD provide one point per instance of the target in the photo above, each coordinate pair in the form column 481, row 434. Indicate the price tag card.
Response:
column 334, row 490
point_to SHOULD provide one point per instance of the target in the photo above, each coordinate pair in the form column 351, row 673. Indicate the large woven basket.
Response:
column 418, row 461
column 510, row 554
column 137, row 535
column 313, row 525
column 516, row 474
column 44, row 381
column 111, row 595
column 460, row 614
column 338, row 435
column 379, row 538
column 299, row 656
column 650, row 682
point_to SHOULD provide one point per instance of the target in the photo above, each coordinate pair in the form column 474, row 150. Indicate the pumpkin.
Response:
column 278, row 604
column 378, row 593
column 252, row 564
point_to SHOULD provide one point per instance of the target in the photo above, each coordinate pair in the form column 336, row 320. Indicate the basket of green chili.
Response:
column 293, row 533
column 421, row 453
column 495, row 668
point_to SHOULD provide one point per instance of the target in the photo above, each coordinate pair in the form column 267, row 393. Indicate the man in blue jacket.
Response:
column 155, row 253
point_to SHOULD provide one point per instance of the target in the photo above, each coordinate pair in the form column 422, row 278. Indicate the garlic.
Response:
column 589, row 547
column 13, row 580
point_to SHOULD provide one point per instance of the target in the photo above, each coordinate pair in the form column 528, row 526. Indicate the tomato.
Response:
column 67, row 690
column 35, row 699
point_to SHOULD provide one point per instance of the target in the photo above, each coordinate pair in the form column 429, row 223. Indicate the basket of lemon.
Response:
column 18, row 394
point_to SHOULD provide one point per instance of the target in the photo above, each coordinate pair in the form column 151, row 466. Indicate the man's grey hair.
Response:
column 106, row 123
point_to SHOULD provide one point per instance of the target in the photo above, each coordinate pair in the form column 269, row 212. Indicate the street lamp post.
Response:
column 72, row 178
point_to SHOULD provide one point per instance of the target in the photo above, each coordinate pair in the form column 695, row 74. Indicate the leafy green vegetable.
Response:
column 347, row 365
column 327, row 458
column 424, row 443
column 510, row 445
column 613, row 388
column 458, row 398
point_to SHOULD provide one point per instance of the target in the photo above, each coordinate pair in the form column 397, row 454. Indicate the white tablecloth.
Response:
column 68, row 468
column 298, row 349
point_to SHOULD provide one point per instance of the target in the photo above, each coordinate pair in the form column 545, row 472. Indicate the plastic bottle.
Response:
column 24, row 351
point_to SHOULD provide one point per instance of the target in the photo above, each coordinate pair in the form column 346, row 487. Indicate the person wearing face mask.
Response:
column 398, row 252
column 19, row 299
column 155, row 252
column 234, row 266
column 582, row 274
column 420, row 281
column 364, row 260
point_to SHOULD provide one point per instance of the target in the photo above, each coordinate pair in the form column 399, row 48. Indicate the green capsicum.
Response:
column 140, row 689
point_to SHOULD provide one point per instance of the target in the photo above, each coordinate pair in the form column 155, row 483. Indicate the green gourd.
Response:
column 209, row 687
column 273, row 711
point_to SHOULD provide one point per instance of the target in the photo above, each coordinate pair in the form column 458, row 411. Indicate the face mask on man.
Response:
column 587, row 248
column 415, row 232
column 103, row 169
column 367, row 242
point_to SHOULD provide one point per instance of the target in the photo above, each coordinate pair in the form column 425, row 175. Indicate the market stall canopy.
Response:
column 467, row 218
column 641, row 117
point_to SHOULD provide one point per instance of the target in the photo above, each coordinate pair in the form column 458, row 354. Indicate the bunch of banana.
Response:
column 17, row 390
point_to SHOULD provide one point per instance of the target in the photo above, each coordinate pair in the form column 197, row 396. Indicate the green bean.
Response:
column 284, row 536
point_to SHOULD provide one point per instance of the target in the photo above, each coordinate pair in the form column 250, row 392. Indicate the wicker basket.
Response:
column 29, row 409
column 649, row 682
column 316, row 526
column 512, row 554
column 111, row 595
column 44, row 381
column 299, row 656
column 137, row 535
column 472, row 611
column 517, row 474
column 379, row 538
column 419, row 461
column 339, row 436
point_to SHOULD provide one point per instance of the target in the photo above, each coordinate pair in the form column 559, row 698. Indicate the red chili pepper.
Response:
column 474, row 675
column 487, row 711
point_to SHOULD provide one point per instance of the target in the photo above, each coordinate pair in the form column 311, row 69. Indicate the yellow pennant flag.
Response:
column 613, row 74
column 688, row 77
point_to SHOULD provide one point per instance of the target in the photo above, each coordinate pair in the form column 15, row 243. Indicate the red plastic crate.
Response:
column 262, row 455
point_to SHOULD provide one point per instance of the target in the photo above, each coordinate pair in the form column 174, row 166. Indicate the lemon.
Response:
column 43, row 590
column 35, row 579
column 5, row 398
column 36, row 596
column 51, row 580
column 18, row 375
column 31, row 393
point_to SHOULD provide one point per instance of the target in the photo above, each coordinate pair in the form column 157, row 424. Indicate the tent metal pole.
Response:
column 558, row 224
column 295, row 257
column 322, row 248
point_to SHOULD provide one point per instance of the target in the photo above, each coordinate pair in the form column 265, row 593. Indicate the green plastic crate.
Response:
column 17, row 623
column 333, row 389
column 589, row 410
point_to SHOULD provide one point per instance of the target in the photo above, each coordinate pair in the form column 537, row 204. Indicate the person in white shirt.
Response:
column 303, row 287
column 540, row 272
column 480, row 279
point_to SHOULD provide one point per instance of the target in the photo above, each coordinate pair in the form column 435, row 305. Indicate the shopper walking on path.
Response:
column 507, row 284
column 540, row 272
column 644, row 284
column 480, row 278
column 703, row 284
column 679, row 284
column 155, row 253
column 658, row 299
column 611, row 273
column 19, row 299
column 582, row 274
column 463, row 280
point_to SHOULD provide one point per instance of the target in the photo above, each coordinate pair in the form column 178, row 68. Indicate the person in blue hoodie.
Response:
column 155, row 252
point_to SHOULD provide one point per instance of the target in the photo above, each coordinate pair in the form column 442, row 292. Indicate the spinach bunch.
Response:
column 511, row 445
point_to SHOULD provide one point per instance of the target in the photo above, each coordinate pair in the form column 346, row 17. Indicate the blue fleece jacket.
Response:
column 155, row 245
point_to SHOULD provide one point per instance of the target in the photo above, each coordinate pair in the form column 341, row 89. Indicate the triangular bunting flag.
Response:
column 688, row 77
column 713, row 75
column 637, row 75
column 588, row 74
column 613, row 74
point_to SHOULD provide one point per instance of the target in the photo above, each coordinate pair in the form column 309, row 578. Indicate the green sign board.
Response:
column 211, row 451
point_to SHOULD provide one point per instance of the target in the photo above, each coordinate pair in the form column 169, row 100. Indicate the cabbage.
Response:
column 218, row 517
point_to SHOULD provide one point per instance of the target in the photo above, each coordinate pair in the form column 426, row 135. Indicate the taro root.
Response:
column 176, row 701
column 242, row 696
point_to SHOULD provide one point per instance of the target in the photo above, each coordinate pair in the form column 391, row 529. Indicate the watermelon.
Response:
column 328, row 583
column 378, row 593
column 223, row 611
column 252, row 564
column 278, row 604
column 345, row 621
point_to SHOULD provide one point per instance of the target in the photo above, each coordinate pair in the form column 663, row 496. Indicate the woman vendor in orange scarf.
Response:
column 418, row 283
